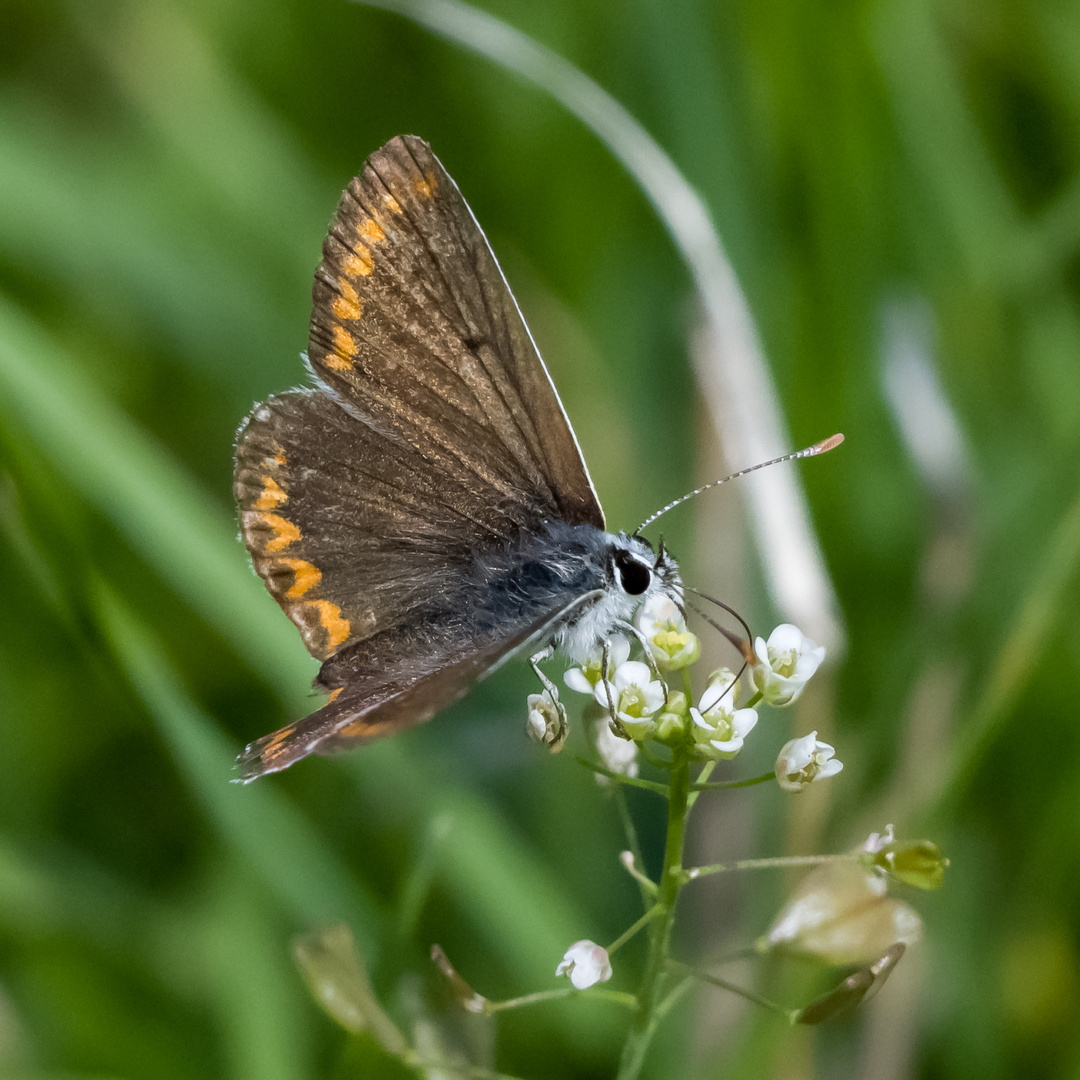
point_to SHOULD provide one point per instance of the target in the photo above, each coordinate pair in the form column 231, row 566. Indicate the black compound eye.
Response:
column 634, row 575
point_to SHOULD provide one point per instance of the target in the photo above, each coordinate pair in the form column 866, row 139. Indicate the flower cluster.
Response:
column 639, row 706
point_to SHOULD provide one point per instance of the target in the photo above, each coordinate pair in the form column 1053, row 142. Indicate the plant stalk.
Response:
column 670, row 885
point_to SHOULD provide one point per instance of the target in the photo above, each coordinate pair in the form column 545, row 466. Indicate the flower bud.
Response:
column 463, row 993
column 586, row 964
column 802, row 761
column 546, row 722
column 336, row 978
column 917, row 862
column 784, row 664
column 858, row 987
column 663, row 626
column 671, row 723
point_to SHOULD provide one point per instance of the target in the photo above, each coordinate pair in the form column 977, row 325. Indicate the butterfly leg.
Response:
column 605, row 664
column 552, row 691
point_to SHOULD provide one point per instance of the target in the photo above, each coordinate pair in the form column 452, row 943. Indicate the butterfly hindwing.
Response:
column 384, row 685
column 350, row 535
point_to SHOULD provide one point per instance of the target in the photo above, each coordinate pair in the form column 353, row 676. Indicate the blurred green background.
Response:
column 890, row 176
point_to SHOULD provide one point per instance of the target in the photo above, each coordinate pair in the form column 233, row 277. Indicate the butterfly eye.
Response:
column 634, row 575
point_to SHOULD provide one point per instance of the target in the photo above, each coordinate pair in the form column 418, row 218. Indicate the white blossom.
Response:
column 718, row 727
column 802, row 761
column 586, row 964
column 663, row 626
column 546, row 721
column 876, row 842
column 785, row 663
column 583, row 679
column 616, row 754
column 635, row 696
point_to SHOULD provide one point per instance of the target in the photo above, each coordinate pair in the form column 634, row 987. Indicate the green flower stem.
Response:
column 616, row 997
column 767, row 864
column 653, row 759
column 723, row 785
column 670, row 885
column 752, row 702
column 626, row 935
column 715, row 980
column 648, row 888
column 629, row 781
column 698, row 786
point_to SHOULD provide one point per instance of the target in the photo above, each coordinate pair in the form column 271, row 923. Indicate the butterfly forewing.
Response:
column 434, row 433
column 415, row 326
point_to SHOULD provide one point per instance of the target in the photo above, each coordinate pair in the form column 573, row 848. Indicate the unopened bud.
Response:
column 463, row 993
column 858, row 987
column 546, row 723
column 917, row 862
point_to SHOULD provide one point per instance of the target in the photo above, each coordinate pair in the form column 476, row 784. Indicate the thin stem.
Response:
column 528, row 999
column 768, row 864
column 752, row 702
column 696, row 788
column 669, row 886
column 723, row 785
column 653, row 759
column 617, row 997
column 648, row 889
column 674, row 996
column 629, row 781
column 715, row 980
column 627, row 934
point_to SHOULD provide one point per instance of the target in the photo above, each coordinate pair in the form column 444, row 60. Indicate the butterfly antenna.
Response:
column 810, row 451
column 720, row 604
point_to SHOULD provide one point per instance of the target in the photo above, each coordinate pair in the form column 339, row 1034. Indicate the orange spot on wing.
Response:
column 279, row 457
column 392, row 204
column 357, row 263
column 346, row 304
column 371, row 232
column 424, row 187
column 305, row 577
column 276, row 744
column 337, row 628
column 257, row 526
column 344, row 350
column 272, row 495
column 354, row 729
column 334, row 695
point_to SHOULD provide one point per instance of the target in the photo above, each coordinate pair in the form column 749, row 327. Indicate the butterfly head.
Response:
column 638, row 571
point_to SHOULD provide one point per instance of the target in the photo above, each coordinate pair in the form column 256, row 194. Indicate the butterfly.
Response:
column 423, row 511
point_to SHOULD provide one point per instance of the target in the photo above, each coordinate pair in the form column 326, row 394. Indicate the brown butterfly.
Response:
column 423, row 510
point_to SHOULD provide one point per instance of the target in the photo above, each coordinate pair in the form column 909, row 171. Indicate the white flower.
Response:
column 719, row 728
column 584, row 678
column 663, row 626
column 635, row 695
column 586, row 963
column 617, row 754
column 547, row 720
column 802, row 761
column 785, row 663
column 876, row 842
column 842, row 914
